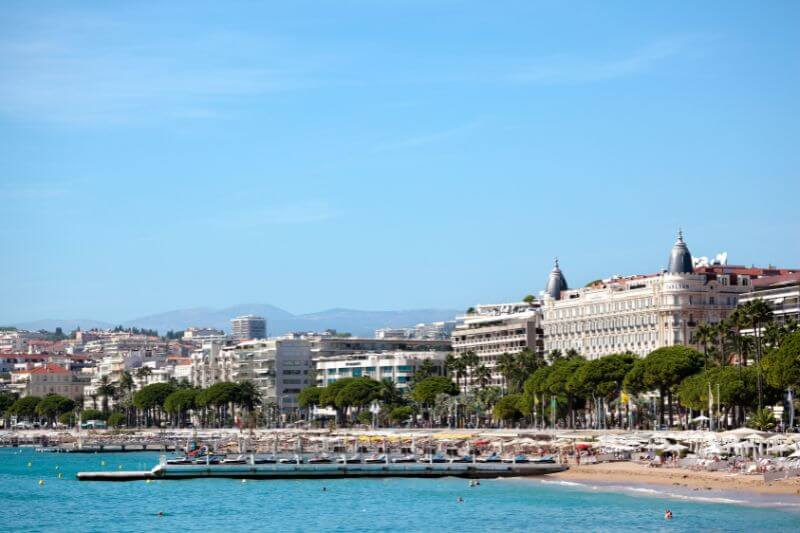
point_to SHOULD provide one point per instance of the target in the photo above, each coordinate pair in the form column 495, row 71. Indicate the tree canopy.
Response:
column 425, row 391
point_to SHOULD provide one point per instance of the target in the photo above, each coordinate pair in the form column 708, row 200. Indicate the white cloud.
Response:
column 427, row 138
column 66, row 76
column 569, row 69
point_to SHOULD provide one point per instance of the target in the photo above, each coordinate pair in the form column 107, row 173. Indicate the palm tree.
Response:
column 450, row 364
column 471, row 361
column 722, row 334
column 758, row 314
column 248, row 396
column 482, row 375
column 127, row 384
column 704, row 335
column 107, row 390
column 507, row 368
column 143, row 372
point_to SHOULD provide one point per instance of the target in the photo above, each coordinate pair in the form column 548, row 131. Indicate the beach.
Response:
column 630, row 473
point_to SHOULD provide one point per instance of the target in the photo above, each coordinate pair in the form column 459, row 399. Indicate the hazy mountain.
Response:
column 67, row 324
column 278, row 320
column 206, row 317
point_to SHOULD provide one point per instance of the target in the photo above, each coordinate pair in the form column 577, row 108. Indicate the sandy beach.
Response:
column 626, row 473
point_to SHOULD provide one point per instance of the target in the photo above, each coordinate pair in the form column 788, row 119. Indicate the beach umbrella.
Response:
column 743, row 433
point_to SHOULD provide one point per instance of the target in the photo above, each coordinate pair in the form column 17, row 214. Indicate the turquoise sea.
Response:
column 64, row 504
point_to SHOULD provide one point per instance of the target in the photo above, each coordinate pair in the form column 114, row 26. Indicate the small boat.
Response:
column 405, row 459
column 375, row 458
column 269, row 460
column 547, row 459
column 463, row 459
column 238, row 460
column 208, row 460
column 494, row 458
column 291, row 460
column 319, row 460
column 438, row 458
column 352, row 460
column 180, row 461
column 518, row 459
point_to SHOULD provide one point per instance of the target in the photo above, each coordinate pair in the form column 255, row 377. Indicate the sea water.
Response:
column 65, row 504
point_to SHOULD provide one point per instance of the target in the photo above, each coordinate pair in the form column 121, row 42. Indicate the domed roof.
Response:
column 556, row 282
column 680, row 259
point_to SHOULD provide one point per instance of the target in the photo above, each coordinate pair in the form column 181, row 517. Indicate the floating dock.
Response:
column 329, row 471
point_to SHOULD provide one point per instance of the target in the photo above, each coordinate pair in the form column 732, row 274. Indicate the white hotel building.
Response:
column 637, row 313
column 495, row 329
column 396, row 366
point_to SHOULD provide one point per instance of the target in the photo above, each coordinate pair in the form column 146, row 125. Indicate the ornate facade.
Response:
column 638, row 313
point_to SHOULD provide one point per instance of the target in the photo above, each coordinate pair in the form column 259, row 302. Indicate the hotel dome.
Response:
column 556, row 282
column 680, row 259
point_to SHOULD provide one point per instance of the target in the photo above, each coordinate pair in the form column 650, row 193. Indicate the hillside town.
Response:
column 496, row 365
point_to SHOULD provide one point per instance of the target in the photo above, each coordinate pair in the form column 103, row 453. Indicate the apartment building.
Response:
column 398, row 367
column 495, row 329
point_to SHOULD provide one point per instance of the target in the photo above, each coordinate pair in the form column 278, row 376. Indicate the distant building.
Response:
column 433, row 330
column 202, row 334
column 323, row 346
column 398, row 367
column 495, row 329
column 248, row 327
column 47, row 379
column 643, row 312
column 780, row 292
column 279, row 367
column 394, row 333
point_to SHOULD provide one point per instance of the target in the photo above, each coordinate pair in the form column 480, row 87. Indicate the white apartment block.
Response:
column 279, row 367
column 398, row 367
column 432, row 331
column 495, row 329
column 638, row 313
column 781, row 293
column 249, row 327
column 394, row 333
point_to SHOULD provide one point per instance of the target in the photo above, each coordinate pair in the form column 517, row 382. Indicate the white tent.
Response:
column 743, row 433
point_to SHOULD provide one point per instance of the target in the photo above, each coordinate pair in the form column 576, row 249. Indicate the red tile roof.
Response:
column 49, row 368
column 777, row 280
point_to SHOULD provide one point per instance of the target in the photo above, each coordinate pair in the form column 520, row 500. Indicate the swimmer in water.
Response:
column 160, row 514
column 667, row 514
column 324, row 489
column 459, row 500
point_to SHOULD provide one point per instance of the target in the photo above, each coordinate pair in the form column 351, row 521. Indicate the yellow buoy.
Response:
column 102, row 463
column 58, row 466
column 60, row 475
column 41, row 482
column 119, row 467
column 244, row 481
column 30, row 464
column 147, row 481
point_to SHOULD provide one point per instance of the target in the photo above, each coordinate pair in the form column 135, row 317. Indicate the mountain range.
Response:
column 279, row 321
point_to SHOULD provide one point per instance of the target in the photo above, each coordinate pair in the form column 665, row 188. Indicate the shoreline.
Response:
column 681, row 480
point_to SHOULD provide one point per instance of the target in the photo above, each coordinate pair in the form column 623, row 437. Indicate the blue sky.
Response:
column 384, row 155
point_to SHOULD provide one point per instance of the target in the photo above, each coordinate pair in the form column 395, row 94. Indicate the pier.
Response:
column 418, row 469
